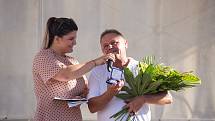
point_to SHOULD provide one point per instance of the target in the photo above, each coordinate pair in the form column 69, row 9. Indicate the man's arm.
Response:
column 161, row 98
column 96, row 104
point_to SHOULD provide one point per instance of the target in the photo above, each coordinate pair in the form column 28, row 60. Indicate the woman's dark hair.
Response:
column 58, row 27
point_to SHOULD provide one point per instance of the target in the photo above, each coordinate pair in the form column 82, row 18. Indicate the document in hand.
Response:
column 72, row 102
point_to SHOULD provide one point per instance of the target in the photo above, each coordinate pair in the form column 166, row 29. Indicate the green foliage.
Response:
column 153, row 78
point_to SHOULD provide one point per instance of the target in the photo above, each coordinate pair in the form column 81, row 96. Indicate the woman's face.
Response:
column 67, row 42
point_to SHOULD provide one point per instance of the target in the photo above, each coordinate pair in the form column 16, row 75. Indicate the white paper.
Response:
column 72, row 102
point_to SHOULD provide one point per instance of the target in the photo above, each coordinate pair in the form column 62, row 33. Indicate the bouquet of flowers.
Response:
column 153, row 78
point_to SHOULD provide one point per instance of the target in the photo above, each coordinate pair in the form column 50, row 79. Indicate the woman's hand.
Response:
column 101, row 60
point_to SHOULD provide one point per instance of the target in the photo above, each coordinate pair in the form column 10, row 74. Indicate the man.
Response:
column 102, row 95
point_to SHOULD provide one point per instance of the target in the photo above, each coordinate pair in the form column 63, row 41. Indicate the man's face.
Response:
column 113, row 43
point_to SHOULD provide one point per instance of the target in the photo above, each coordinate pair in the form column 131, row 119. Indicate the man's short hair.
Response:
column 108, row 31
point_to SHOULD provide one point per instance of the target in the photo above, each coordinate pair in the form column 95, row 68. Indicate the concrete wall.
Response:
column 178, row 32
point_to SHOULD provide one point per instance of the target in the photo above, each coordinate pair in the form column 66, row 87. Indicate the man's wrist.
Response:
column 144, row 99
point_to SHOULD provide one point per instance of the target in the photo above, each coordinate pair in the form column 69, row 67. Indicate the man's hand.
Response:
column 135, row 104
column 114, row 89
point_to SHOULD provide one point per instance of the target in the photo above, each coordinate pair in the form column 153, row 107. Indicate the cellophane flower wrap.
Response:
column 152, row 78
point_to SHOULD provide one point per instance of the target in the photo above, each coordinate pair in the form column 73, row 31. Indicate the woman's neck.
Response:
column 57, row 51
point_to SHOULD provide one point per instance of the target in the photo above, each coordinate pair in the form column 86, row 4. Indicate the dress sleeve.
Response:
column 47, row 67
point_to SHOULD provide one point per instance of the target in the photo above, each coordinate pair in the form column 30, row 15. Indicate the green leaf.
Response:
column 142, row 66
column 190, row 79
column 149, row 60
column 138, row 81
column 153, row 78
column 129, row 78
column 119, row 113
column 149, row 69
column 146, row 80
column 128, row 90
column 152, row 88
column 124, row 96
column 128, row 117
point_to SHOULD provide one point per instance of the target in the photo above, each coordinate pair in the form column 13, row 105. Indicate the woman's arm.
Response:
column 74, row 71
column 78, row 70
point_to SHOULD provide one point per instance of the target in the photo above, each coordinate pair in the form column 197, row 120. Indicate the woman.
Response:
column 58, row 75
